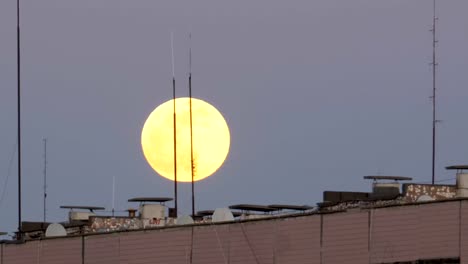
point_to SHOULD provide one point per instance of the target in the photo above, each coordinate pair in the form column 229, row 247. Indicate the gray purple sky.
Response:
column 317, row 94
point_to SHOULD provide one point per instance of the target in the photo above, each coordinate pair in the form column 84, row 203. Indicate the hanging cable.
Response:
column 220, row 244
column 10, row 164
column 249, row 244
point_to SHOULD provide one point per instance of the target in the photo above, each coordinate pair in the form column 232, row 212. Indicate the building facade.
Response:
column 428, row 232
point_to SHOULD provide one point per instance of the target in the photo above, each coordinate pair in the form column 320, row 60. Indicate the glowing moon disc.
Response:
column 210, row 133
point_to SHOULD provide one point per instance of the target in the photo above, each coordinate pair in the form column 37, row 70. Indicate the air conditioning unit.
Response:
column 80, row 216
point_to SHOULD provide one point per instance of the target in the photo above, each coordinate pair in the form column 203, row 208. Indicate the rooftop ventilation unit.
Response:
column 386, row 187
column 152, row 211
column 462, row 179
column 80, row 215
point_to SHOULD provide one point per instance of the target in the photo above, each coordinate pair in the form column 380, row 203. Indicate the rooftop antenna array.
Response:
column 433, row 97
column 192, row 165
column 18, row 64
column 175, row 127
column 45, row 178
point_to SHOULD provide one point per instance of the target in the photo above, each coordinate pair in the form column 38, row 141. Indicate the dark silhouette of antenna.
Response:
column 18, row 64
column 191, row 128
column 45, row 177
column 433, row 97
column 175, row 126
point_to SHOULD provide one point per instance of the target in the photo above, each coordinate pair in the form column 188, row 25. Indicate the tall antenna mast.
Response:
column 434, row 67
column 191, row 128
column 175, row 126
column 18, row 64
column 113, row 196
column 45, row 177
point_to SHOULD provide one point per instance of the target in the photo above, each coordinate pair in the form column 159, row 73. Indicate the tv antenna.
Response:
column 433, row 97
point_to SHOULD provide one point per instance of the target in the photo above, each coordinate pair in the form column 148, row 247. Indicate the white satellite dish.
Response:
column 184, row 220
column 55, row 230
column 222, row 215
column 424, row 198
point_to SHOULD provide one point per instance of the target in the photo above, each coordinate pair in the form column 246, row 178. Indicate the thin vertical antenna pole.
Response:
column 45, row 178
column 175, row 126
column 113, row 195
column 191, row 127
column 18, row 63
column 172, row 55
column 434, row 64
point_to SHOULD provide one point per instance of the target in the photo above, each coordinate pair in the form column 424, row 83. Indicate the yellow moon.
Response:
column 210, row 133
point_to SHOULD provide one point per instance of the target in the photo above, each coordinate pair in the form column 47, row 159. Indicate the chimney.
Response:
column 131, row 212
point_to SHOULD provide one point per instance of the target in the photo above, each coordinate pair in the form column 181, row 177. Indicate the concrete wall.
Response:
column 380, row 235
column 346, row 238
column 407, row 233
column 464, row 233
column 52, row 251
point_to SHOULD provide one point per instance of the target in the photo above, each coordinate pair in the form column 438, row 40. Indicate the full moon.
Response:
column 210, row 134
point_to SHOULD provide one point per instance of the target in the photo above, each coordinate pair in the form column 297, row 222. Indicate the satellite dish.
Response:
column 184, row 220
column 222, row 215
column 55, row 230
column 424, row 198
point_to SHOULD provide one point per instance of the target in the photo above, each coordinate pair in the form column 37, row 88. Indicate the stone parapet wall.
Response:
column 412, row 192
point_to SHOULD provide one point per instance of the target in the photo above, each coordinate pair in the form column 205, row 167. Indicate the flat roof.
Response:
column 252, row 207
column 91, row 208
column 151, row 199
column 316, row 213
column 391, row 178
column 290, row 207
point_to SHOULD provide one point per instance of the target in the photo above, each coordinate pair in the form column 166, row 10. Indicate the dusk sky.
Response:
column 316, row 94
